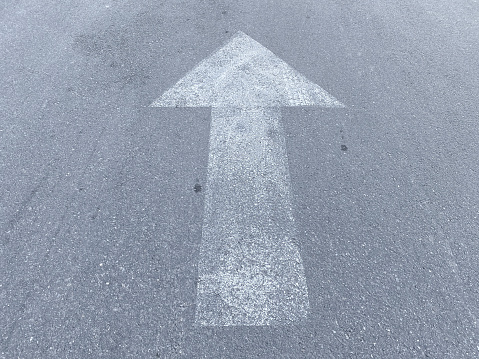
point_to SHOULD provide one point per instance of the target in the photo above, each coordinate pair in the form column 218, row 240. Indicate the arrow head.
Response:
column 243, row 73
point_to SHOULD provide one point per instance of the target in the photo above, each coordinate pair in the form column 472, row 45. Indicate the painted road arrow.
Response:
column 250, row 269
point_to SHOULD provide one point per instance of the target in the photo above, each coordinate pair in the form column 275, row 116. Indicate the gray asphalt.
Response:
column 100, row 224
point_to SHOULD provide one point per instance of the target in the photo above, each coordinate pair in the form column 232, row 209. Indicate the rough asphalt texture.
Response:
column 100, row 212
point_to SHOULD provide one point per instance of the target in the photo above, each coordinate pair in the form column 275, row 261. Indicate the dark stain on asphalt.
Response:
column 197, row 188
column 114, row 47
column 343, row 147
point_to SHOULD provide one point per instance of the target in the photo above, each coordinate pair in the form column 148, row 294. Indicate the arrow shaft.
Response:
column 250, row 269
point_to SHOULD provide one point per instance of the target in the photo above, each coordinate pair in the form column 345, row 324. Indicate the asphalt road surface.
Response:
column 102, row 198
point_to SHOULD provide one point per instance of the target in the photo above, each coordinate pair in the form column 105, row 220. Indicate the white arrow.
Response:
column 250, row 270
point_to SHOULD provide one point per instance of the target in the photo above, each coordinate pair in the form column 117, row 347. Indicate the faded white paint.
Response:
column 250, row 269
column 244, row 73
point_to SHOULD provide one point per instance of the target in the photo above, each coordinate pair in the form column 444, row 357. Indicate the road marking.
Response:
column 242, row 74
column 250, row 269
